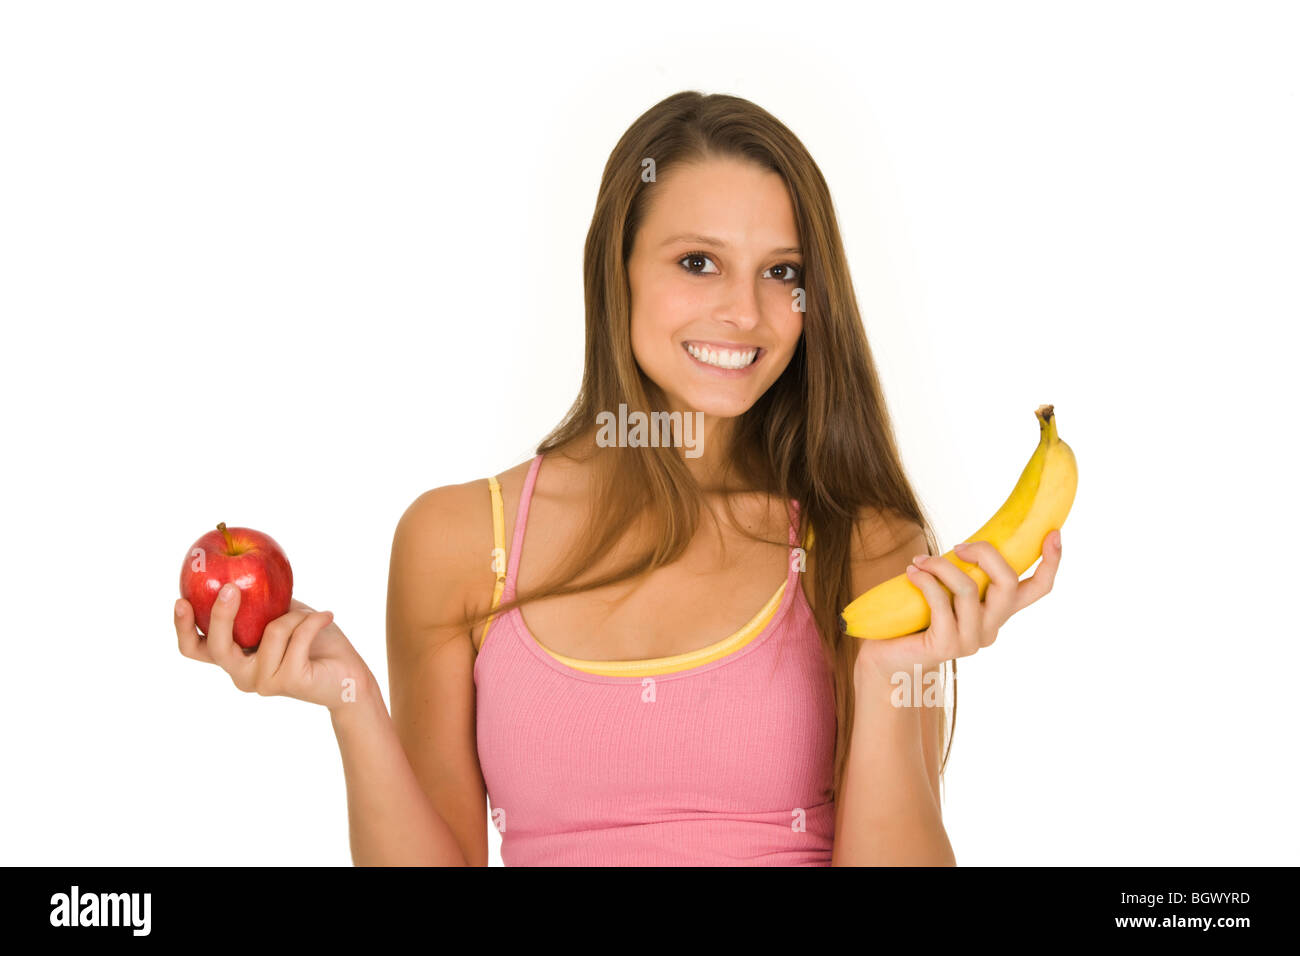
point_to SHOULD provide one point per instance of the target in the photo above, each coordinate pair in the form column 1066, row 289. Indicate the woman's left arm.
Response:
column 887, row 812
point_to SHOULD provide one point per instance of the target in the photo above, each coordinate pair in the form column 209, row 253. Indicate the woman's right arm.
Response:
column 391, row 821
column 415, row 791
column 440, row 570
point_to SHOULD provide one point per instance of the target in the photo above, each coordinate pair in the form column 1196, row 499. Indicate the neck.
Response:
column 708, row 460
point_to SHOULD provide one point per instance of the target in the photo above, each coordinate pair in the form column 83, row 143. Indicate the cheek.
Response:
column 659, row 316
column 676, row 301
column 789, row 326
column 653, row 327
column 782, row 305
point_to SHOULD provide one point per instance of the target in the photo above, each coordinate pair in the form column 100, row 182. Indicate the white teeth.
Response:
column 723, row 358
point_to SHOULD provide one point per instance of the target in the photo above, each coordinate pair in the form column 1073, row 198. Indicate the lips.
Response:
column 726, row 354
column 720, row 346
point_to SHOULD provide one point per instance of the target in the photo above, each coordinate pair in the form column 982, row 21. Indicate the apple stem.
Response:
column 230, row 544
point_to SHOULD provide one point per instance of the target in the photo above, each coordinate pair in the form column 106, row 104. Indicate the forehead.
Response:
column 734, row 201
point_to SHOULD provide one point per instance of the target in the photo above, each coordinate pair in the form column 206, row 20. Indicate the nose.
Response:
column 739, row 305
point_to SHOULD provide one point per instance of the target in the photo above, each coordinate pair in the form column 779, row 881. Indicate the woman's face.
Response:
column 713, row 266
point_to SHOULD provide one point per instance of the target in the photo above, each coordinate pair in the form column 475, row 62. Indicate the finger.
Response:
column 296, row 605
column 1042, row 580
column 1004, row 583
column 968, row 613
column 187, row 635
column 295, row 658
column 300, row 641
column 221, row 639
column 990, row 560
column 270, row 652
column 941, row 637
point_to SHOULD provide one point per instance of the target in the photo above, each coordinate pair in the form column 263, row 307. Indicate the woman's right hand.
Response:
column 303, row 654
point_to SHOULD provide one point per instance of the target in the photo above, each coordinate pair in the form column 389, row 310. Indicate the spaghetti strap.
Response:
column 498, row 553
column 521, row 524
column 800, row 536
column 504, row 590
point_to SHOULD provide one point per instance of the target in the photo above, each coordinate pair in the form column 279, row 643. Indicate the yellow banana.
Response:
column 1039, row 503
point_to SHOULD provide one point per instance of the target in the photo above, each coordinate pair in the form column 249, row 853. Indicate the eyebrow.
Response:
column 711, row 241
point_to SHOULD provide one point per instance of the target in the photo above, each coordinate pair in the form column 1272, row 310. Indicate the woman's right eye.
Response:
column 695, row 255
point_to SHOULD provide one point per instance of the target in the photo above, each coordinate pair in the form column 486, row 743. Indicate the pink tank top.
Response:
column 720, row 756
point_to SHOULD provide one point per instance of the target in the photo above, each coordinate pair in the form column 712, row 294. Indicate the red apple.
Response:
column 250, row 559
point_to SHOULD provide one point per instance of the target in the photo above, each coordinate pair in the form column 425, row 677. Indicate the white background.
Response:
column 288, row 266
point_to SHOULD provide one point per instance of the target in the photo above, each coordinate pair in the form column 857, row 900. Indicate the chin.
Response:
column 711, row 406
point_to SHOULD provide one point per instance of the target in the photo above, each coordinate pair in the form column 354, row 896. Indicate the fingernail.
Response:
column 179, row 608
column 1057, row 535
column 919, row 559
column 228, row 593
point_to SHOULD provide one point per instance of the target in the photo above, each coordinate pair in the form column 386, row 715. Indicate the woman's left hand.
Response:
column 960, row 623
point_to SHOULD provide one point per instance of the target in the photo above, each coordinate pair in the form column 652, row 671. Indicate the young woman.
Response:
column 630, row 648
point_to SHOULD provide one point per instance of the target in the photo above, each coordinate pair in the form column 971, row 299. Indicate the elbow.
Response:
column 914, row 842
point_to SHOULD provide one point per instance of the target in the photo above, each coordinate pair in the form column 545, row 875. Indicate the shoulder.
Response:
column 436, row 525
column 883, row 545
column 450, row 518
column 441, row 559
column 880, row 532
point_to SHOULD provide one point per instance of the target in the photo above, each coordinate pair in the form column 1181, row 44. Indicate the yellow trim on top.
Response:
column 499, row 540
column 637, row 668
column 677, row 662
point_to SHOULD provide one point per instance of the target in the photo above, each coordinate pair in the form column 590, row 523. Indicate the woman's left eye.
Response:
column 787, row 266
column 791, row 270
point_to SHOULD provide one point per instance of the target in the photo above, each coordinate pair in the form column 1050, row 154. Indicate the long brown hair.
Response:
column 820, row 434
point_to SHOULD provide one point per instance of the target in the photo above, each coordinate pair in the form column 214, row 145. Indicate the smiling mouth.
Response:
column 726, row 359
